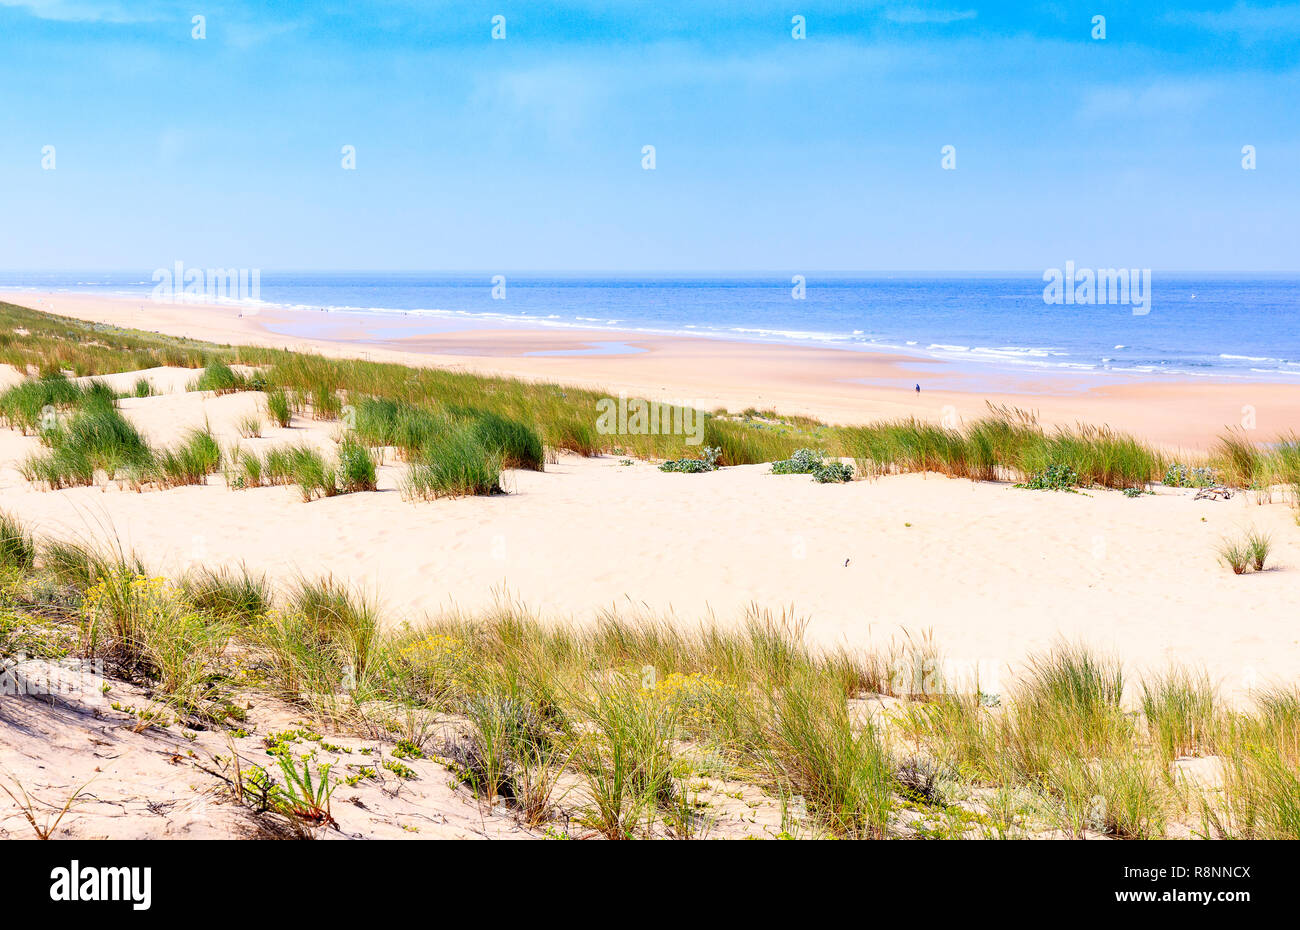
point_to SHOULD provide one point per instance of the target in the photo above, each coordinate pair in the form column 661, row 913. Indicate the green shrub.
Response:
column 830, row 472
column 1053, row 478
column 1184, row 476
column 803, row 462
column 709, row 462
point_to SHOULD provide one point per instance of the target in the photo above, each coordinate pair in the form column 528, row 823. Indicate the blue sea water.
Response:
column 1225, row 326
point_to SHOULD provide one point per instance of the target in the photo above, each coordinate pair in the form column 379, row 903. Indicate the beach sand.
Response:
column 992, row 571
column 834, row 385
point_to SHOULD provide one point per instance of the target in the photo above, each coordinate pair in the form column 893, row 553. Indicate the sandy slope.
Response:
column 145, row 782
column 994, row 571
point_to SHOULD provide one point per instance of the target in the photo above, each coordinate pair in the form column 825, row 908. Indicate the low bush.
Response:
column 1052, row 478
column 707, row 462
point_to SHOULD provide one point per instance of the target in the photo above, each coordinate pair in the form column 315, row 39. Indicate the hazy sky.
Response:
column 771, row 153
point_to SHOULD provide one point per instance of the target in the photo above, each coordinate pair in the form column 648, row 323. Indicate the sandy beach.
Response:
column 992, row 571
column 834, row 385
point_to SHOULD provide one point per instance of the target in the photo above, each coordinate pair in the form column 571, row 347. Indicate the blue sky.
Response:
column 772, row 154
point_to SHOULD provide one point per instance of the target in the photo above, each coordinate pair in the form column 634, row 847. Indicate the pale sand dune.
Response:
column 995, row 571
column 835, row 385
column 164, row 379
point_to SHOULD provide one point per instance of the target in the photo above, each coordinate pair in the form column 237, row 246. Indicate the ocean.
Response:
column 1222, row 326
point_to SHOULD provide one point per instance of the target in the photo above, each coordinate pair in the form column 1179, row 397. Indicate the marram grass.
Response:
column 607, row 726
column 515, row 422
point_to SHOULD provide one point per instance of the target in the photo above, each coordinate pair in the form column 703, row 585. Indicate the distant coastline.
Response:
column 1230, row 327
column 824, row 382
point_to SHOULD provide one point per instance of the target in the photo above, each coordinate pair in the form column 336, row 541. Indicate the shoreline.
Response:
column 835, row 385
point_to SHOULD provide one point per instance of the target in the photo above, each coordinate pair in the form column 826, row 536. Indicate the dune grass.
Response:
column 1260, row 544
column 356, row 470
column 812, row 749
column 312, row 474
column 409, row 428
column 305, row 466
column 147, row 631
column 244, row 469
column 423, row 434
column 1237, row 458
column 1181, row 711
column 301, row 464
column 28, row 406
column 278, row 407
column 250, row 426
column 325, row 403
column 1005, row 444
column 423, row 412
column 17, row 547
column 517, row 445
column 1237, row 554
column 237, row 596
column 55, row 344
column 625, row 760
column 197, row 456
column 1261, row 755
column 280, row 466
column 78, row 565
column 94, row 438
column 319, row 645
column 220, row 378
column 613, row 726
column 453, row 464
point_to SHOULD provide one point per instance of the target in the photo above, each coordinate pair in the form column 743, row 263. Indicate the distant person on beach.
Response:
column 918, row 389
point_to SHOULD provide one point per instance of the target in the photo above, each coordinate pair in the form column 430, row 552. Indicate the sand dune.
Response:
column 993, row 571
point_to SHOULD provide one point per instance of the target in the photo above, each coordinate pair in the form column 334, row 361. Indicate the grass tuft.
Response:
column 17, row 547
